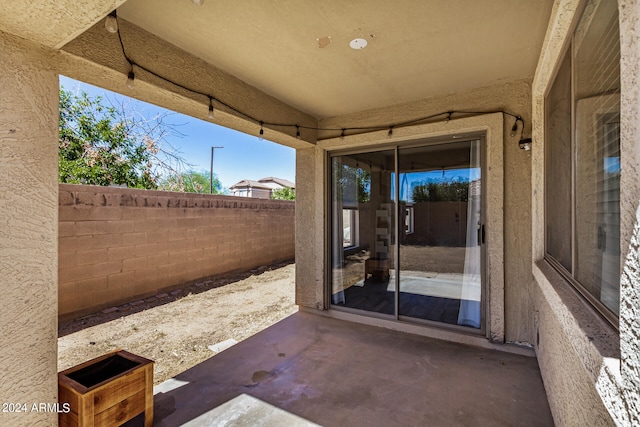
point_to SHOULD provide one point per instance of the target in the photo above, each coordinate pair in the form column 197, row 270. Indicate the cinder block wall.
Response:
column 118, row 244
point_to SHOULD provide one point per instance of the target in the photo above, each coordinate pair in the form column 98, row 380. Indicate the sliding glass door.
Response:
column 418, row 252
column 440, row 198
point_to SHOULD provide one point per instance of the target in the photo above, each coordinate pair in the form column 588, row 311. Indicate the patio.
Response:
column 309, row 369
column 561, row 208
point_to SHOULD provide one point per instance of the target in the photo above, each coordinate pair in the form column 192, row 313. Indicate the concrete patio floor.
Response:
column 310, row 369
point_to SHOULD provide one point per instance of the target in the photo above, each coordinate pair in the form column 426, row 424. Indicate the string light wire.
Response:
column 343, row 131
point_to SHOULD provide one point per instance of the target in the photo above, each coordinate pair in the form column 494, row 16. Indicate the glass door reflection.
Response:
column 440, row 238
column 406, row 234
column 363, row 231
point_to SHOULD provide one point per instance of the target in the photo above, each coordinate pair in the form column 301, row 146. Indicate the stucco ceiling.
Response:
column 52, row 23
column 298, row 51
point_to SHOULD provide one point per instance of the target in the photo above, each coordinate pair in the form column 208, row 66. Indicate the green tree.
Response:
column 285, row 193
column 103, row 144
column 191, row 182
column 352, row 180
column 451, row 191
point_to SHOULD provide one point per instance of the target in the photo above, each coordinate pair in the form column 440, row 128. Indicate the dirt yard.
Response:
column 176, row 329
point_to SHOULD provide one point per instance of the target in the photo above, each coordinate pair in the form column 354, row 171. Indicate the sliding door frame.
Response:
column 397, row 147
column 495, row 127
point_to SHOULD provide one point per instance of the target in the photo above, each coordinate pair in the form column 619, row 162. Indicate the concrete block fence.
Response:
column 119, row 244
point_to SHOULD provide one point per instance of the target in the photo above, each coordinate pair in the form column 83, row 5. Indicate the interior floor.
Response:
column 375, row 296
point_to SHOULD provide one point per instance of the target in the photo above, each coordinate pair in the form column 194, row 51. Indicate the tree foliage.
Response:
column 451, row 191
column 352, row 183
column 285, row 193
column 191, row 182
column 102, row 144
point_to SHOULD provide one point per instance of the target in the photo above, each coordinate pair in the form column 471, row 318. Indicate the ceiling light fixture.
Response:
column 197, row 2
column 358, row 43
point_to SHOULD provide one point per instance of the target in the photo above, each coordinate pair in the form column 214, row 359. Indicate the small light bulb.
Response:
column 197, row 2
column 131, row 80
column 297, row 131
column 342, row 134
column 210, row 115
column 390, row 134
column 514, row 129
column 261, row 134
column 111, row 24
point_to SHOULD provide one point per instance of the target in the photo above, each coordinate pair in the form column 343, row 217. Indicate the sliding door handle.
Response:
column 481, row 235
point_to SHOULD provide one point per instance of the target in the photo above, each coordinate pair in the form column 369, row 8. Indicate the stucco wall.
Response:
column 117, row 244
column 591, row 372
column 630, row 205
column 28, row 230
column 310, row 228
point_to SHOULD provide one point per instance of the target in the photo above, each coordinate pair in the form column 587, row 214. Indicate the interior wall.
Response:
column 514, row 97
column 28, row 233
column 574, row 344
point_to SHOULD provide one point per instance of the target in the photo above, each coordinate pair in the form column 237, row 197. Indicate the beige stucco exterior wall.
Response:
column 600, row 369
column 310, row 228
column 28, row 234
column 514, row 180
column 630, row 205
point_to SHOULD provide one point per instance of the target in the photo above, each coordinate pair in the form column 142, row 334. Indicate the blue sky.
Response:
column 243, row 156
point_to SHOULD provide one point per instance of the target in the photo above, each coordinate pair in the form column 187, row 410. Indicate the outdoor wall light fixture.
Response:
column 525, row 144
column 197, row 2
column 111, row 23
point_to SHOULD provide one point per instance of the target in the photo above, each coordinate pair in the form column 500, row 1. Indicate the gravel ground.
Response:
column 176, row 329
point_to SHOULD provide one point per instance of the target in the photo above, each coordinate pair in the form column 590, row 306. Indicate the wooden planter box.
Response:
column 107, row 391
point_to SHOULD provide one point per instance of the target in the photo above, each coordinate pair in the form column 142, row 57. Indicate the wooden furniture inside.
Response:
column 378, row 268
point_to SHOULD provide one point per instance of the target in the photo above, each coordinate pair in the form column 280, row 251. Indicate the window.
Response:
column 582, row 160
column 350, row 228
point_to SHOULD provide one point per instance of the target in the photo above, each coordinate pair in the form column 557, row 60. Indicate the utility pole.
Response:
column 211, row 171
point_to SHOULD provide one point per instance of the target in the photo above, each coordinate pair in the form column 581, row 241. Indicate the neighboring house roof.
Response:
column 268, row 183
column 247, row 183
column 281, row 182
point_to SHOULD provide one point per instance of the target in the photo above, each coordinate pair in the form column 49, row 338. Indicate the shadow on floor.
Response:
column 312, row 369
